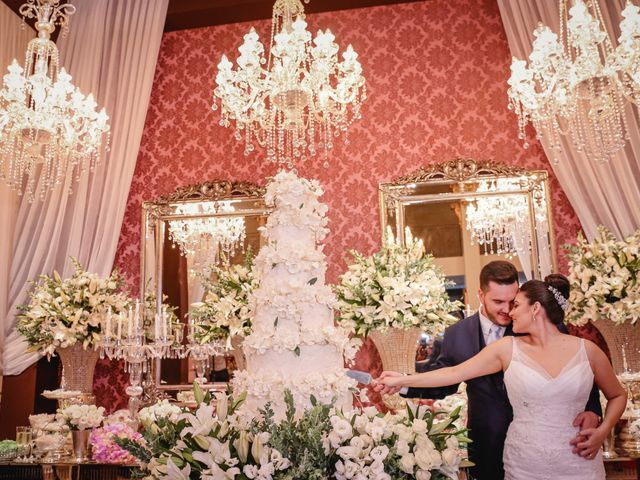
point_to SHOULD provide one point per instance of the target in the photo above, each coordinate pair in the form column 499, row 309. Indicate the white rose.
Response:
column 452, row 442
column 379, row 453
column 450, row 457
column 402, row 447
column 423, row 475
column 342, row 428
column 251, row 471
column 407, row 462
column 427, row 458
column 334, row 439
column 419, row 426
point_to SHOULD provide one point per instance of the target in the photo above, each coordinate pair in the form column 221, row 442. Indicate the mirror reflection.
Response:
column 185, row 236
column 468, row 214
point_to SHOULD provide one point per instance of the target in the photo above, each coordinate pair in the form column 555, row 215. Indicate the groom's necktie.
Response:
column 494, row 334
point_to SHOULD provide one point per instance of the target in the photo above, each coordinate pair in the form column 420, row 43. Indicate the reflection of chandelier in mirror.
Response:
column 48, row 128
column 301, row 100
column 207, row 240
column 498, row 222
column 575, row 85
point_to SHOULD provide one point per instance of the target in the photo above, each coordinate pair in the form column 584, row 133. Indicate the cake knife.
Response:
column 362, row 377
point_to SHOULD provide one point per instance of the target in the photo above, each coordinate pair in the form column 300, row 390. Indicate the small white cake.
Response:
column 294, row 344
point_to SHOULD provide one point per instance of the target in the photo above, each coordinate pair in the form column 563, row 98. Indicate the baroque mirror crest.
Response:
column 469, row 213
column 184, row 234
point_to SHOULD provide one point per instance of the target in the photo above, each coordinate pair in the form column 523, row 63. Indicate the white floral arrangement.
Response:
column 396, row 287
column 62, row 312
column 225, row 311
column 161, row 410
column 604, row 276
column 81, row 417
column 413, row 443
column 323, row 443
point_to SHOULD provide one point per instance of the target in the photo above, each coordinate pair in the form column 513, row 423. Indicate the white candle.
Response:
column 190, row 329
column 130, row 323
column 164, row 322
column 137, row 317
column 120, row 326
column 109, row 323
column 156, row 326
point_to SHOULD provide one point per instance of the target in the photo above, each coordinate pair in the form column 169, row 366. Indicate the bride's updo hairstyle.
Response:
column 552, row 294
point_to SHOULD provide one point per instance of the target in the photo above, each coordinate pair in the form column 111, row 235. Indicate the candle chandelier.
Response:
column 296, row 100
column 576, row 83
column 48, row 128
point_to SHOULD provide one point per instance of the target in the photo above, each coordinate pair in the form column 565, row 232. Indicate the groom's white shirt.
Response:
column 490, row 330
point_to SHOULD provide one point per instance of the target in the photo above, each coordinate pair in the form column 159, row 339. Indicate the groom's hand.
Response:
column 381, row 387
column 586, row 422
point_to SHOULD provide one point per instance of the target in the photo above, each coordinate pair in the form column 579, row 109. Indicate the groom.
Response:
column 489, row 410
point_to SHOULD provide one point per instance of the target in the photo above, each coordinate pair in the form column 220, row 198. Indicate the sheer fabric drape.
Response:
column 602, row 194
column 13, row 42
column 111, row 51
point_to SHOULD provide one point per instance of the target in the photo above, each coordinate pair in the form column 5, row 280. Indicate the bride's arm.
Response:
column 614, row 392
column 491, row 359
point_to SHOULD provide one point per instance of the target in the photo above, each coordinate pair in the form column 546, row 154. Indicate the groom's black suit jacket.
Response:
column 489, row 410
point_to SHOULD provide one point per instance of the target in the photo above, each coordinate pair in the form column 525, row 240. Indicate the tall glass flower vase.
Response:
column 624, row 347
column 78, row 366
column 397, row 349
column 623, row 343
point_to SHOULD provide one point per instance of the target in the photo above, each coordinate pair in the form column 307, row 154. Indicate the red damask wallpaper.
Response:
column 436, row 78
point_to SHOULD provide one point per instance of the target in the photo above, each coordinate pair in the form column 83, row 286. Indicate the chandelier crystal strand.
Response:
column 495, row 222
column 576, row 85
column 301, row 101
column 48, row 128
column 207, row 240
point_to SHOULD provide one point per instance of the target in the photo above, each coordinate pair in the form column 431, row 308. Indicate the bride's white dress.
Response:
column 537, row 445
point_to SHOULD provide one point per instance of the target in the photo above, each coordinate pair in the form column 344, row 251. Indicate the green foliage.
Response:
column 300, row 439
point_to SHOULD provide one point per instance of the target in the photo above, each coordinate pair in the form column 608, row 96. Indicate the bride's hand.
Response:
column 594, row 438
column 387, row 383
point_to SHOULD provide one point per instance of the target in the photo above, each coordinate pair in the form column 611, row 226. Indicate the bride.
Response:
column 548, row 376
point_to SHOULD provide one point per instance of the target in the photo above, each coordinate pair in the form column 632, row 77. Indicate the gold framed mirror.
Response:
column 469, row 213
column 183, row 234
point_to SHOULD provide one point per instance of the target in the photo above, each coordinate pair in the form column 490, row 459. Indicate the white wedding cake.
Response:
column 294, row 344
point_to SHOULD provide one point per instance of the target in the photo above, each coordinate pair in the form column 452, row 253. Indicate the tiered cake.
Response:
column 294, row 344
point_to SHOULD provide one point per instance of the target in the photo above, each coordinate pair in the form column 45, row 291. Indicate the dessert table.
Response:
column 65, row 470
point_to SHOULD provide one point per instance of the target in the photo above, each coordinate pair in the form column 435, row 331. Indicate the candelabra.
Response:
column 136, row 349
column 131, row 341
column 201, row 353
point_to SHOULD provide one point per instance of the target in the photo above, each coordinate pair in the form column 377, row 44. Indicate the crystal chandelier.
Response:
column 206, row 239
column 48, row 128
column 302, row 99
column 576, row 84
column 495, row 222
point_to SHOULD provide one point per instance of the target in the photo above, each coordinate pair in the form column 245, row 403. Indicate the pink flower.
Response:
column 106, row 450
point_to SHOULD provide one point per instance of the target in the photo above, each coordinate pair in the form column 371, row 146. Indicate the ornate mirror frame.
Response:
column 247, row 200
column 456, row 181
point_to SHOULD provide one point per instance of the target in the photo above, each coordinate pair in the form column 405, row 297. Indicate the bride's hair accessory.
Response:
column 564, row 304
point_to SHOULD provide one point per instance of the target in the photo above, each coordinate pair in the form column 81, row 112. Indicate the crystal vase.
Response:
column 397, row 349
column 624, row 347
column 78, row 366
column 623, row 343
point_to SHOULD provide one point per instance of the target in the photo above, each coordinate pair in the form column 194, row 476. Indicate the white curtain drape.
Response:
column 601, row 194
column 13, row 43
column 111, row 51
